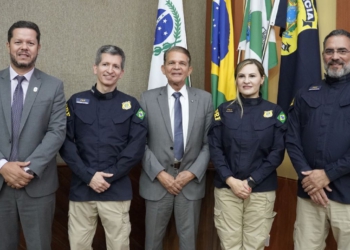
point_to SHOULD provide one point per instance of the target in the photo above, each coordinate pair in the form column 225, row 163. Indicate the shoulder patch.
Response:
column 268, row 114
column 126, row 105
column 282, row 117
column 217, row 115
column 140, row 114
column 67, row 110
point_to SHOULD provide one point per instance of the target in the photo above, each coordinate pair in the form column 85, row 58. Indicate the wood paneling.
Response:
column 281, row 233
column 342, row 17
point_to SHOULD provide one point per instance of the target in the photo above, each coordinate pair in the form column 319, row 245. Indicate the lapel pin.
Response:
column 191, row 100
column 35, row 89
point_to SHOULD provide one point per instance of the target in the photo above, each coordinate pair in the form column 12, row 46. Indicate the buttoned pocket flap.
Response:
column 311, row 102
column 264, row 124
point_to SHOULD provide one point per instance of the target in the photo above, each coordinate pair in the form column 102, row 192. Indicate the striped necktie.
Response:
column 16, row 114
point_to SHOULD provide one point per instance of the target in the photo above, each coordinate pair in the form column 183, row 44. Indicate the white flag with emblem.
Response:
column 170, row 32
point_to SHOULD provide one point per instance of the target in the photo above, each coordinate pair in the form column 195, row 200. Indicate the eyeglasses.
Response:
column 330, row 52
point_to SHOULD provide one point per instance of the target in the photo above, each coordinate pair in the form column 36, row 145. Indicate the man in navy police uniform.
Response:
column 318, row 143
column 106, row 137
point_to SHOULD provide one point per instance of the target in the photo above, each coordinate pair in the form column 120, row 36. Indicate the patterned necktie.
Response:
column 16, row 114
column 178, row 134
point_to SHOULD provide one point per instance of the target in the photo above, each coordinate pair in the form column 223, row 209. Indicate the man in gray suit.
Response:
column 32, row 129
column 173, row 177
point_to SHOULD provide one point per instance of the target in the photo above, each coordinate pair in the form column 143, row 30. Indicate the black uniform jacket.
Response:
column 318, row 134
column 249, row 145
column 105, row 132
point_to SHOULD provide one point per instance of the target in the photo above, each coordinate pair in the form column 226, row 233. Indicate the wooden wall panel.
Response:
column 281, row 233
column 342, row 17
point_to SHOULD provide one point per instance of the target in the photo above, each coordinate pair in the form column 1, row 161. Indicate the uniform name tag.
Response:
column 312, row 88
column 82, row 101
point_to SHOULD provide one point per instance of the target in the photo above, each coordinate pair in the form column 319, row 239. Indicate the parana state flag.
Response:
column 300, row 52
column 170, row 31
column 254, row 32
column 222, row 53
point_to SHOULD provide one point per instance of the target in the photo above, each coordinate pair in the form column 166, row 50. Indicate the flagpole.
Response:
column 276, row 3
column 239, row 50
column 266, row 42
column 239, row 56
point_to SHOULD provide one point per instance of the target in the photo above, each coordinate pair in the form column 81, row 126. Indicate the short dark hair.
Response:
column 178, row 49
column 112, row 50
column 339, row 32
column 23, row 24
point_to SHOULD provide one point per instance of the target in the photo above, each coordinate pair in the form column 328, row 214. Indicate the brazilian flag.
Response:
column 222, row 53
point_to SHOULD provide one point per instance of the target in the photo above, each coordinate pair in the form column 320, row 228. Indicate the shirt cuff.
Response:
column 2, row 162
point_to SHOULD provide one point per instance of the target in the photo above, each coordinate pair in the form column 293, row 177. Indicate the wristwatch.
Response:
column 251, row 182
column 29, row 171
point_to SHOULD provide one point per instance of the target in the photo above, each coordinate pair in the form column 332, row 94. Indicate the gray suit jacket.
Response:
column 159, row 154
column 42, row 129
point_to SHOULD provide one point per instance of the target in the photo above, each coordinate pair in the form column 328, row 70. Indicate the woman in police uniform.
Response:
column 246, row 142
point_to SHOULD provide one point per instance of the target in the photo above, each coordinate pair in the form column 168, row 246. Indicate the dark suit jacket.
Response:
column 42, row 129
column 159, row 154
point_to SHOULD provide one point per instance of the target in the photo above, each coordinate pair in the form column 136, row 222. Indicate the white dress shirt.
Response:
column 184, row 107
column 14, row 82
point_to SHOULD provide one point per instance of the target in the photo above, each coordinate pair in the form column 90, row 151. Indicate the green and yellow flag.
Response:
column 254, row 33
column 222, row 53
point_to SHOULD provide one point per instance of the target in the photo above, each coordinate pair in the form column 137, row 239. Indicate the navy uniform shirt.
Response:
column 318, row 134
column 248, row 145
column 105, row 132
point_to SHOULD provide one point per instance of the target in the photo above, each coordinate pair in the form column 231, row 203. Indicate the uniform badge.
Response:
column 282, row 117
column 82, row 101
column 217, row 115
column 268, row 114
column 126, row 105
column 140, row 114
column 229, row 110
column 313, row 88
column 67, row 110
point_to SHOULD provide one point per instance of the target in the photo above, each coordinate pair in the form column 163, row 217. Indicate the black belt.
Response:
column 177, row 165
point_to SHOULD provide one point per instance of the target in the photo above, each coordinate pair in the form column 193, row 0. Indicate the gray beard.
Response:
column 338, row 73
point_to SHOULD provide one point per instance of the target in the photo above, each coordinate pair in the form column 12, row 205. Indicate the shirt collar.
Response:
column 183, row 91
column 251, row 101
column 14, row 74
column 105, row 96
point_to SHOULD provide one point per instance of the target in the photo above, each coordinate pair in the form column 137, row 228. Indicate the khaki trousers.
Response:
column 313, row 222
column 83, row 218
column 243, row 224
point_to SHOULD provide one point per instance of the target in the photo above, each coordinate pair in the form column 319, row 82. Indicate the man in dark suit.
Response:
column 173, row 176
column 32, row 129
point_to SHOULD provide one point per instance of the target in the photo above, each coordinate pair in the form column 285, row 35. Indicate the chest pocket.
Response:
column 85, row 118
column 345, row 109
column 232, row 124
column 308, row 109
column 121, row 123
column 264, row 129
column 84, row 125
